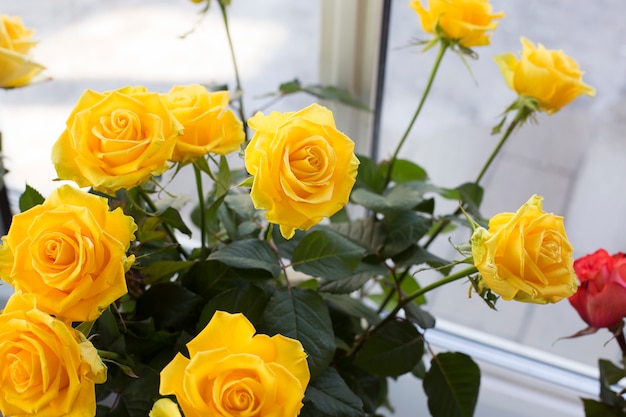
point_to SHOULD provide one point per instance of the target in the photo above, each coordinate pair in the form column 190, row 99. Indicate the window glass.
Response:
column 575, row 158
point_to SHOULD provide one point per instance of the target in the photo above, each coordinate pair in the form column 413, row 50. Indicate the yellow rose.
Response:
column 164, row 407
column 550, row 77
column 70, row 253
column 233, row 372
column 47, row 368
column 118, row 139
column 303, row 167
column 525, row 256
column 16, row 67
column 208, row 125
column 464, row 21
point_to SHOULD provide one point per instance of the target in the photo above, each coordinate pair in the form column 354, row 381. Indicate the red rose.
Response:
column 601, row 296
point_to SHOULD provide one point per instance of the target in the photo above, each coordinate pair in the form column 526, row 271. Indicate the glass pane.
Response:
column 574, row 158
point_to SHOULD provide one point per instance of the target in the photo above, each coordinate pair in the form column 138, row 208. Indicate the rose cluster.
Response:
column 67, row 260
column 122, row 138
column 67, row 257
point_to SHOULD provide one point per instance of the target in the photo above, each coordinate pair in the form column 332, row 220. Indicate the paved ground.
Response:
column 576, row 159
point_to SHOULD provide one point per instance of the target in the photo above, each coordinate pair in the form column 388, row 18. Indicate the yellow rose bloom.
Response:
column 164, row 407
column 464, row 21
column 550, row 77
column 70, row 253
column 525, row 256
column 303, row 167
column 46, row 367
column 231, row 371
column 16, row 67
column 118, row 139
column 209, row 126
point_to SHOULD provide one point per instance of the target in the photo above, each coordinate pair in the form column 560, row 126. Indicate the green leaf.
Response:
column 30, row 198
column 303, row 315
column 203, row 165
column 472, row 195
column 371, row 176
column 416, row 255
column 211, row 218
column 404, row 171
column 249, row 254
column 171, row 305
column 395, row 349
column 355, row 281
column 202, row 276
column 368, row 233
column 107, row 333
column 353, row 307
column 290, row 87
column 161, row 271
column 403, row 230
column 250, row 300
column 137, row 398
column 419, row 316
column 172, row 217
column 371, row 389
column 330, row 92
column 452, row 384
column 398, row 199
column 320, row 91
column 330, row 395
column 610, row 374
column 327, row 255
column 595, row 408
column 224, row 178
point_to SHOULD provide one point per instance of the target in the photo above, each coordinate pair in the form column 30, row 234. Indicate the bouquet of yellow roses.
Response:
column 272, row 310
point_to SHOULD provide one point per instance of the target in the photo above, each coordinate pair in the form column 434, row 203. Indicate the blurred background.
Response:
column 575, row 159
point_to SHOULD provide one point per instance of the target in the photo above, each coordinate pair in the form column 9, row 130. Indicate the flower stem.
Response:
column 523, row 113
column 443, row 281
column 442, row 49
column 618, row 333
column 146, row 198
column 201, row 206
column 408, row 299
column 238, row 88
column 520, row 117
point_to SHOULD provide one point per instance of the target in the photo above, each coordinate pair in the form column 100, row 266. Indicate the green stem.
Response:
column 146, row 198
column 201, row 206
column 408, row 299
column 516, row 121
column 442, row 49
column 443, row 281
column 523, row 113
column 238, row 88
column 105, row 354
column 393, row 290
